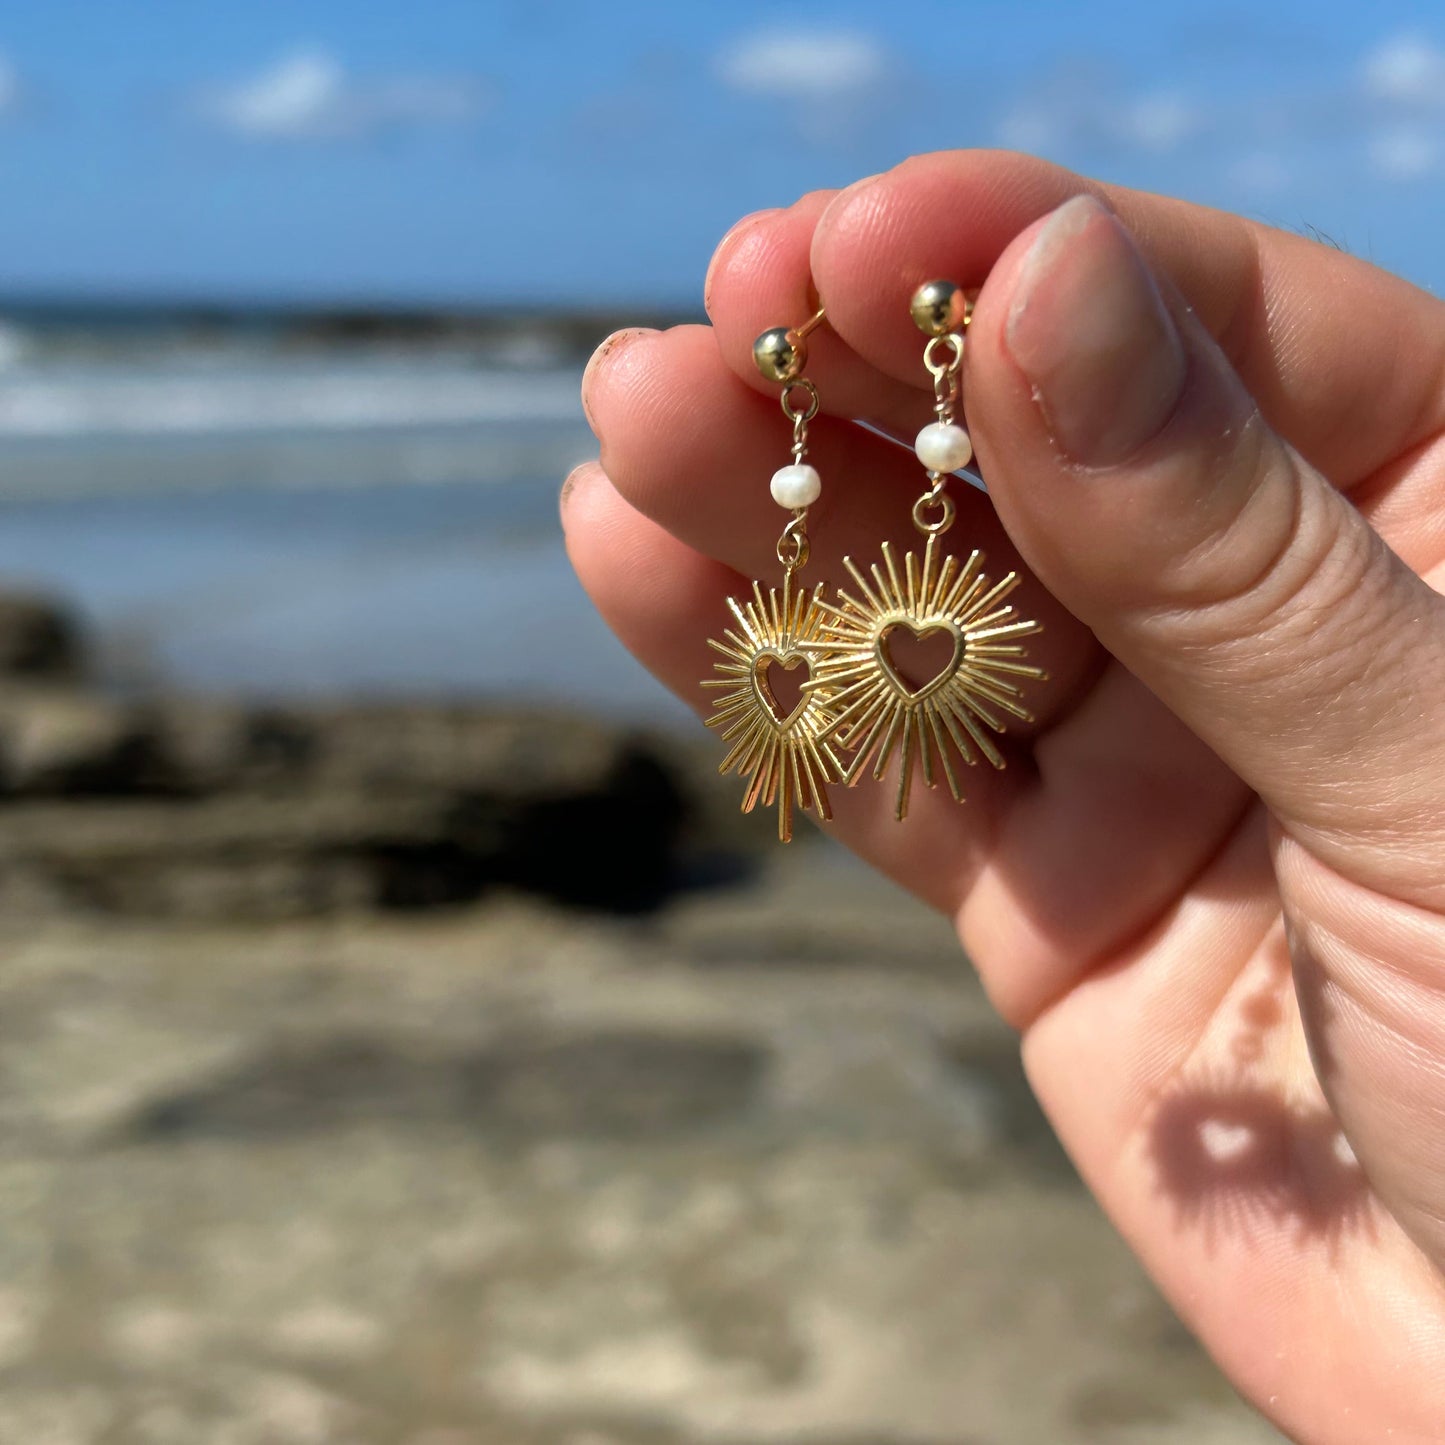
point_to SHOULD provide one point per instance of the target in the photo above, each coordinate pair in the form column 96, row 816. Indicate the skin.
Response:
column 1208, row 890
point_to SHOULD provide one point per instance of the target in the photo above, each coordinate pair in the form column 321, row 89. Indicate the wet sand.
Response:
column 759, row 1167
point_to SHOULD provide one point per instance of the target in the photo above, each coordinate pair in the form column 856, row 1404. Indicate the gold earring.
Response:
column 783, row 753
column 879, row 712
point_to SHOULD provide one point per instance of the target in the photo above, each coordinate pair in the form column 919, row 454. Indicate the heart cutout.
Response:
column 907, row 651
column 781, row 695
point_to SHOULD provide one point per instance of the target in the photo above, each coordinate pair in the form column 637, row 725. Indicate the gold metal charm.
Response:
column 783, row 752
column 880, row 713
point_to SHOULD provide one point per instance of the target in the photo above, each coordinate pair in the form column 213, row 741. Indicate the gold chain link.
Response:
column 934, row 511
column 793, row 544
column 945, row 373
column 791, row 410
column 935, row 497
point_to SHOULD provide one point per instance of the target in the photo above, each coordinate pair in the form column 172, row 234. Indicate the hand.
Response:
column 1210, row 889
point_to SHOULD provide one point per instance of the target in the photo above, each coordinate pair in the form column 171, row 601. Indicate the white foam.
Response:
column 57, row 403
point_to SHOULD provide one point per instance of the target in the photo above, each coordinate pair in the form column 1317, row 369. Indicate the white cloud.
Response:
column 1160, row 122
column 807, row 66
column 307, row 95
column 1406, row 70
column 1404, row 153
column 1403, row 81
column 1382, row 118
column 1077, row 109
column 1262, row 172
column 302, row 94
column 1029, row 128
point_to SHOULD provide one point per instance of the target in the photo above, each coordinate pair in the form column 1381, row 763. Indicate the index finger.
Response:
column 1345, row 360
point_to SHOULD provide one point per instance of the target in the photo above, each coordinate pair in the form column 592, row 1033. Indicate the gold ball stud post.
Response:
column 780, row 354
column 939, row 307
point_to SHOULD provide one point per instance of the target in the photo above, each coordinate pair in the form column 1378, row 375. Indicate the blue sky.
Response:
column 572, row 153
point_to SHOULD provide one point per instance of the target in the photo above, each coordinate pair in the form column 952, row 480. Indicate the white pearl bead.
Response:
column 943, row 447
column 796, row 486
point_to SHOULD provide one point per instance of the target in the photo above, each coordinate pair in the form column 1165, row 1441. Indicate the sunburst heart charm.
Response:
column 782, row 752
column 877, row 711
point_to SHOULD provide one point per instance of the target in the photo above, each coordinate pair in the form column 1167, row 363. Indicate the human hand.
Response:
column 1210, row 888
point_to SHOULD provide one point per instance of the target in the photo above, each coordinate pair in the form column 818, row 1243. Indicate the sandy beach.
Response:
column 759, row 1168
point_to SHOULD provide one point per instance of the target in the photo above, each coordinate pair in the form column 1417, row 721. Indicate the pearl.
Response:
column 796, row 486
column 943, row 447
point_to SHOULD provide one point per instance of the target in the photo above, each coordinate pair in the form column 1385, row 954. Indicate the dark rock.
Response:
column 613, row 846
column 241, row 857
column 64, row 741
column 74, row 741
column 506, row 754
column 39, row 637
column 197, row 807
column 204, row 746
column 296, row 833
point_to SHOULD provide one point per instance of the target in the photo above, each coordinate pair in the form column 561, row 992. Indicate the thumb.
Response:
column 1141, row 483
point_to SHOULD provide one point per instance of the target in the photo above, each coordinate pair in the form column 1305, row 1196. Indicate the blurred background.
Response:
column 401, row 1037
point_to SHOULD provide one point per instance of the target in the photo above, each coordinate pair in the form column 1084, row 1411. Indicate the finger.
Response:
column 692, row 448
column 663, row 600
column 759, row 278
column 1276, row 302
column 1219, row 566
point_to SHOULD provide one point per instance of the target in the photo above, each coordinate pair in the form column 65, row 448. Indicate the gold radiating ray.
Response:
column 877, row 714
column 785, row 758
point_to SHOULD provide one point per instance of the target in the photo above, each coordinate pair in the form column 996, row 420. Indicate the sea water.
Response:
column 345, row 521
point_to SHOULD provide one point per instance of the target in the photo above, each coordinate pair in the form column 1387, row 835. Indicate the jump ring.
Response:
column 953, row 342
column 793, row 544
column 793, row 413
column 793, row 558
column 946, row 509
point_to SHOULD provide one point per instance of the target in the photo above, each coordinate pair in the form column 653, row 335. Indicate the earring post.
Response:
column 812, row 323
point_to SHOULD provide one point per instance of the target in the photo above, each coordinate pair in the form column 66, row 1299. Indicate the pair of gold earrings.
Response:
column 857, row 712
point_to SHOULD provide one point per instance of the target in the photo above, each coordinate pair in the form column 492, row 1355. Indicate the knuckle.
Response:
column 1292, row 568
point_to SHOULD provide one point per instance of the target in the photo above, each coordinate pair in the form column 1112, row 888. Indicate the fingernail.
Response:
column 1089, row 329
column 736, row 229
column 600, row 356
column 569, row 484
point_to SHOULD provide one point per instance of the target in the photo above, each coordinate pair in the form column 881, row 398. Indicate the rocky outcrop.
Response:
column 165, row 805
column 38, row 638
column 201, row 810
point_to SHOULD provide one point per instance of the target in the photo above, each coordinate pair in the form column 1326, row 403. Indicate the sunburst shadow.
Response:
column 1236, row 1152
column 1237, row 1158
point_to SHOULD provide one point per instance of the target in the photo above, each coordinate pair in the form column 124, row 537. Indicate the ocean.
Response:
column 269, row 511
